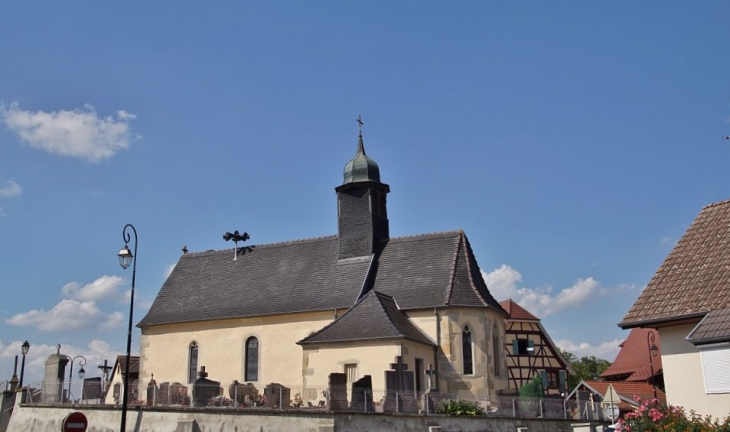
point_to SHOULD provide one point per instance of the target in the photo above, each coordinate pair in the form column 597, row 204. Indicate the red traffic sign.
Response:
column 75, row 422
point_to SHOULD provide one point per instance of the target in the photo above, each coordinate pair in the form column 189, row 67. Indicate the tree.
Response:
column 587, row 368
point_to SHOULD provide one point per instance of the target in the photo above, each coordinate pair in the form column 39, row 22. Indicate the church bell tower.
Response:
column 361, row 206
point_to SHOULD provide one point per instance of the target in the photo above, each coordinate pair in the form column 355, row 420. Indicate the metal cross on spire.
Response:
column 360, row 123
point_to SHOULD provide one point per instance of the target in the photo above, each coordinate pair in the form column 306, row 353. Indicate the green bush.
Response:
column 459, row 407
column 533, row 389
column 655, row 417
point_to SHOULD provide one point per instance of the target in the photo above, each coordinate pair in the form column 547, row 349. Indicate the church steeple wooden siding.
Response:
column 361, row 205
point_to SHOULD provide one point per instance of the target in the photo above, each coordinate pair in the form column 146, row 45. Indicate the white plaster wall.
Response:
column 683, row 377
column 164, row 349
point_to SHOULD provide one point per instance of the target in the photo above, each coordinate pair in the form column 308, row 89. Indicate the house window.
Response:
column 523, row 347
column 192, row 362
column 467, row 351
column 351, row 372
column 252, row 359
column 715, row 361
column 552, row 379
column 496, row 351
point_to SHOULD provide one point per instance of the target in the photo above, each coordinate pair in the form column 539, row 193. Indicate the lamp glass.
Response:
column 25, row 347
column 82, row 373
column 125, row 257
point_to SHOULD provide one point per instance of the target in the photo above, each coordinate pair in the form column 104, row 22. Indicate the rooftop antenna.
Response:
column 236, row 237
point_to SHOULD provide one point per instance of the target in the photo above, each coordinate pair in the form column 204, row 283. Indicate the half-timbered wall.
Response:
column 528, row 351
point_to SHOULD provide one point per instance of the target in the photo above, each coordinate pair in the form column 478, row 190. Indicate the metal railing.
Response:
column 280, row 397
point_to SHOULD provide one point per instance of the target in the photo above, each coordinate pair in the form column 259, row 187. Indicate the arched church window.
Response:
column 467, row 351
column 252, row 359
column 496, row 351
column 192, row 362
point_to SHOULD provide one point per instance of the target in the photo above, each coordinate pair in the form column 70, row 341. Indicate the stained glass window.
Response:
column 467, row 352
column 193, row 363
column 252, row 359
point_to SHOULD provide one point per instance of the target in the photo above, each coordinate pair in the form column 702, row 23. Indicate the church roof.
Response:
column 426, row 271
column 694, row 278
column 517, row 312
column 374, row 317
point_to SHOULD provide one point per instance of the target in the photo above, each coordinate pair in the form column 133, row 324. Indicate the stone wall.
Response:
column 148, row 419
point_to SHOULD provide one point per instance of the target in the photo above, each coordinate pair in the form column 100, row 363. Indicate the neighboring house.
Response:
column 635, row 361
column 688, row 302
column 114, row 387
column 359, row 303
column 530, row 350
column 594, row 391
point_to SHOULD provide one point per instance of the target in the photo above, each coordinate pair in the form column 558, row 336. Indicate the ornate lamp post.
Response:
column 82, row 373
column 125, row 259
column 24, row 349
column 653, row 350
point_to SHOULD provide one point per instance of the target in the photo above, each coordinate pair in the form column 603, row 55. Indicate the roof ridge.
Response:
column 716, row 204
column 428, row 235
column 267, row 245
column 452, row 276
column 385, row 312
column 468, row 253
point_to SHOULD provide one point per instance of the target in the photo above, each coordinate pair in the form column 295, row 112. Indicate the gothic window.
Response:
column 192, row 362
column 252, row 359
column 467, row 351
column 496, row 351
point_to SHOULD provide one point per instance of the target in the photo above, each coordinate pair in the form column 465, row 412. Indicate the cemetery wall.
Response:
column 106, row 419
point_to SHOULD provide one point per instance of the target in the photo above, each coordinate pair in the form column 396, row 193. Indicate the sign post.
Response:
column 75, row 422
column 611, row 399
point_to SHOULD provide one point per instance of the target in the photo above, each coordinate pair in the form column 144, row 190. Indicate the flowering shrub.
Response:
column 654, row 417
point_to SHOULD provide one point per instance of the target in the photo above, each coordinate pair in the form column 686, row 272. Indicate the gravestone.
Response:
column 362, row 395
column 400, row 395
column 243, row 393
column 152, row 391
column 179, row 394
column 337, row 392
column 204, row 389
column 276, row 395
column 163, row 394
column 53, row 377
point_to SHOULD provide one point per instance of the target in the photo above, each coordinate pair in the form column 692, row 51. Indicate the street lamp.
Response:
column 82, row 374
column 653, row 350
column 24, row 349
column 125, row 258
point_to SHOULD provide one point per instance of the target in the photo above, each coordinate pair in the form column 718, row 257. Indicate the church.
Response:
column 358, row 303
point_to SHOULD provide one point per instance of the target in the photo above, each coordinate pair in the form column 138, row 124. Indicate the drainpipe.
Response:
column 438, row 346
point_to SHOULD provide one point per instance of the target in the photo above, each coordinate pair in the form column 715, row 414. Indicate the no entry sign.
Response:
column 75, row 422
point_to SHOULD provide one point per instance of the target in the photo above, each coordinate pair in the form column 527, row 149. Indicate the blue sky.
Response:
column 574, row 142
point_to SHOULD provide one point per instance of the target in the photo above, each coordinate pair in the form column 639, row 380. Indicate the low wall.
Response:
column 36, row 417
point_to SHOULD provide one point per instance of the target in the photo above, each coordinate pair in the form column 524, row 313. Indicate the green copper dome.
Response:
column 361, row 168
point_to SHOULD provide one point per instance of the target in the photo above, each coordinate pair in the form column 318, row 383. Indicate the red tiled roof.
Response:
column 517, row 312
column 633, row 358
column 694, row 278
column 627, row 390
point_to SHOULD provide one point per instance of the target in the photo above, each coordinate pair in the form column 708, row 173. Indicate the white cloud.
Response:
column 68, row 314
column 606, row 350
column 103, row 288
column 78, row 133
column 10, row 189
column 169, row 269
column 541, row 302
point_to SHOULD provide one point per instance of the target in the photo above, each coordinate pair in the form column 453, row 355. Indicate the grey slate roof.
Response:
column 714, row 328
column 427, row 271
column 374, row 317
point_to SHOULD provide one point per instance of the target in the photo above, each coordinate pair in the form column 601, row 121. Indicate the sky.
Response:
column 574, row 142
